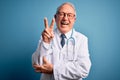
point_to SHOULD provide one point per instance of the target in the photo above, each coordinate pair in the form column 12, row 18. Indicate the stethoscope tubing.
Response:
column 73, row 42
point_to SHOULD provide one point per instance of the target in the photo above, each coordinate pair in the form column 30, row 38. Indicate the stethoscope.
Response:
column 69, row 54
column 71, row 38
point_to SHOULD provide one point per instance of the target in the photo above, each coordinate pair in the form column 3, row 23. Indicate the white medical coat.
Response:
column 67, row 65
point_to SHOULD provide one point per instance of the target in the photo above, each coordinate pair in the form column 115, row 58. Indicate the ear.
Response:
column 55, row 16
column 75, row 18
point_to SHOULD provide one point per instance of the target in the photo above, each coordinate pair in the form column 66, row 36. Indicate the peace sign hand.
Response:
column 47, row 34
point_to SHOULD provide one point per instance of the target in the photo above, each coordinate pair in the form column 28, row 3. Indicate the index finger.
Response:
column 52, row 23
column 46, row 22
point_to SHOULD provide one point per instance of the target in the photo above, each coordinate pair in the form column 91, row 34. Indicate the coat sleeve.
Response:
column 43, row 49
column 76, row 69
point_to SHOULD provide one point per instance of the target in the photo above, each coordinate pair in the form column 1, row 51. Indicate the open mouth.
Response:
column 64, row 23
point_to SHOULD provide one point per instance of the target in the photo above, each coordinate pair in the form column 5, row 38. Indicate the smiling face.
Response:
column 65, row 18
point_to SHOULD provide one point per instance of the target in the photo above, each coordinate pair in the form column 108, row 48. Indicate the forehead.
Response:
column 67, row 8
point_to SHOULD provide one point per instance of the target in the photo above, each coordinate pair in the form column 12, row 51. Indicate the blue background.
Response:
column 21, row 24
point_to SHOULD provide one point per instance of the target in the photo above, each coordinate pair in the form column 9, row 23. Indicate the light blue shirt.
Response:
column 71, row 62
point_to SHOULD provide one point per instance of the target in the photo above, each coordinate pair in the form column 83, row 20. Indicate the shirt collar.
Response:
column 68, row 34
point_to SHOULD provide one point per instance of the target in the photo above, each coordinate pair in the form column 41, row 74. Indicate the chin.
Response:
column 64, row 30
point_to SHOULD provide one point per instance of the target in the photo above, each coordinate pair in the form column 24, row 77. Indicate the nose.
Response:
column 65, row 17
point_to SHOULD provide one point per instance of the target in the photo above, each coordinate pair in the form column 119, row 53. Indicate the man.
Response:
column 62, row 54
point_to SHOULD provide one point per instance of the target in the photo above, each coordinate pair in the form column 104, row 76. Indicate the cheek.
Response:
column 58, row 20
column 72, row 22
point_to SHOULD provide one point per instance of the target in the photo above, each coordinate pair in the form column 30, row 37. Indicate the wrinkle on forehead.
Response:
column 69, row 5
column 66, row 8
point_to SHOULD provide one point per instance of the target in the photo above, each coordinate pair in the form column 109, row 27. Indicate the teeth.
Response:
column 64, row 23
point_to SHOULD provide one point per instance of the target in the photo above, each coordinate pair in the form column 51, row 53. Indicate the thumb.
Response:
column 44, row 60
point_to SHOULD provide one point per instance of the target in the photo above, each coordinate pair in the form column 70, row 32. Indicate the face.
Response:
column 65, row 18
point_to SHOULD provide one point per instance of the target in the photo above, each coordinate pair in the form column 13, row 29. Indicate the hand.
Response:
column 45, row 68
column 47, row 34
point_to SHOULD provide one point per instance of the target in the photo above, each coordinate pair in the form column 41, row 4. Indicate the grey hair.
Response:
column 68, row 4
